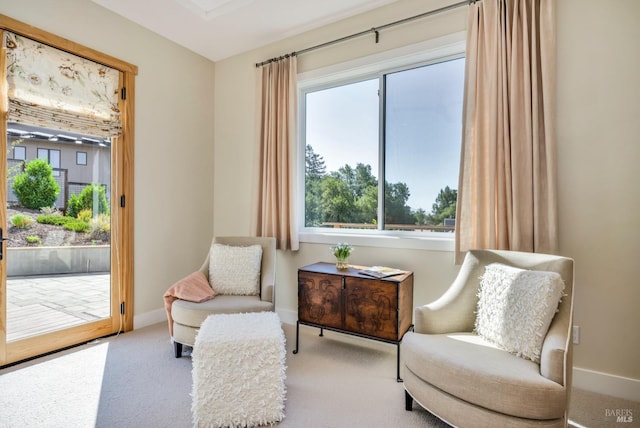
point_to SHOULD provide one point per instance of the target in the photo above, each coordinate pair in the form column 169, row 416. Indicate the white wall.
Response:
column 598, row 149
column 598, row 174
column 173, row 138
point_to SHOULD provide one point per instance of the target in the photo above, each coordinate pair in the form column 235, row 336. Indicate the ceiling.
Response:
column 218, row 29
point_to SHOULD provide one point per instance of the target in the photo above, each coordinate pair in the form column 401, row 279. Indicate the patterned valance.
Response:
column 54, row 89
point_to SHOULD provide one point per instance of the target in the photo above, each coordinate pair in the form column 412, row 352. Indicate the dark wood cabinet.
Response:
column 353, row 303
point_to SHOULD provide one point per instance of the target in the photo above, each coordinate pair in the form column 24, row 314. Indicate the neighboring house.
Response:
column 77, row 160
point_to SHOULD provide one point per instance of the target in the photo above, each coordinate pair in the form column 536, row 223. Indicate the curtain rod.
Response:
column 374, row 30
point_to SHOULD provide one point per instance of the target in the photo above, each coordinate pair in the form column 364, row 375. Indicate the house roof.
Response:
column 18, row 130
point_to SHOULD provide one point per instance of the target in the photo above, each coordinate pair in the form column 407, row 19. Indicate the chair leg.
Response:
column 177, row 348
column 408, row 401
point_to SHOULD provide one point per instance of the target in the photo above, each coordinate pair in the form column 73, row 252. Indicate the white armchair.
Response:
column 464, row 379
column 188, row 316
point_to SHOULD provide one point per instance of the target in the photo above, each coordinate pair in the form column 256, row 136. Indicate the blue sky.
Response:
column 424, row 115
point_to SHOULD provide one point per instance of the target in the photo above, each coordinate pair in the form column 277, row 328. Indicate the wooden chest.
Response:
column 353, row 303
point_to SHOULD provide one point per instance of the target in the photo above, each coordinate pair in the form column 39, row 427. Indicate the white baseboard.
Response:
column 149, row 318
column 287, row 316
column 605, row 383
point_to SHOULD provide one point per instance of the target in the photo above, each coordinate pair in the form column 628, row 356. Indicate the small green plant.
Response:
column 85, row 215
column 21, row 221
column 33, row 239
column 55, row 219
column 77, row 226
column 100, row 228
column 341, row 250
column 50, row 211
column 36, row 187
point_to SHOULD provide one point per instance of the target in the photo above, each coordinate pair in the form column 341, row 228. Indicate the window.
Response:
column 382, row 152
column 52, row 156
column 81, row 158
column 19, row 153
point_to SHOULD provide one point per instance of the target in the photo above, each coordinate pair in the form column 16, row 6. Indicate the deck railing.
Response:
column 411, row 227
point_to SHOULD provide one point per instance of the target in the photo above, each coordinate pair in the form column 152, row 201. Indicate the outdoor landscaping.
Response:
column 33, row 223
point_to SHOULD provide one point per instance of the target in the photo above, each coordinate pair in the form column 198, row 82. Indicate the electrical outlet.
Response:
column 576, row 334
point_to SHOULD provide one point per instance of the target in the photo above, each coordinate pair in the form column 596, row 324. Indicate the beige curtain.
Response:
column 507, row 189
column 277, row 117
column 51, row 88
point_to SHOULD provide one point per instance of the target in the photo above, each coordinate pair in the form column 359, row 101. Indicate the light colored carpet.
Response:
column 133, row 380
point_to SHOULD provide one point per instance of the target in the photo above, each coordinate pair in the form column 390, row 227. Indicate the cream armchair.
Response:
column 464, row 380
column 188, row 316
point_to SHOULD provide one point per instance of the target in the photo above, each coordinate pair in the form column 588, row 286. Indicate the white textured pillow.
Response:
column 235, row 270
column 516, row 306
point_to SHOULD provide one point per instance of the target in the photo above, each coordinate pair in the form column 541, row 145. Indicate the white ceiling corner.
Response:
column 218, row 29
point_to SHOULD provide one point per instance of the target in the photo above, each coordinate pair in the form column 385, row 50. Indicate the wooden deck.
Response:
column 33, row 320
column 43, row 304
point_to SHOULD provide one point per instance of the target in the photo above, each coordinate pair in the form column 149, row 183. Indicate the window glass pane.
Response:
column 422, row 145
column 54, row 158
column 43, row 154
column 342, row 155
column 20, row 153
column 81, row 158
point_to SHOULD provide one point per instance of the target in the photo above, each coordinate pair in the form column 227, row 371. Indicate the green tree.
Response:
column 444, row 207
column 363, row 186
column 314, row 164
column 315, row 171
column 421, row 216
column 367, row 205
column 337, row 200
column 350, row 195
column 35, row 187
column 396, row 209
column 358, row 179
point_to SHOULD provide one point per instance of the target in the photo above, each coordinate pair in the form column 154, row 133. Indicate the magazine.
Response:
column 381, row 271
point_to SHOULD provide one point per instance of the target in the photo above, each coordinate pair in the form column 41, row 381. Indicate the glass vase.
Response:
column 342, row 263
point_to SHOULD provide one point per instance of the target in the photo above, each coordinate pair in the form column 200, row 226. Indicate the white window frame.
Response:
column 431, row 51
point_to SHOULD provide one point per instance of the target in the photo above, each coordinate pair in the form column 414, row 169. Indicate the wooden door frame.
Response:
column 121, row 185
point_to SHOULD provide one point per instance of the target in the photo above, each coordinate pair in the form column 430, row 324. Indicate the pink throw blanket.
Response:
column 193, row 288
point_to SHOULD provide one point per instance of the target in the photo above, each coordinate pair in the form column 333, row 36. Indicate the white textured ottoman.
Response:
column 239, row 371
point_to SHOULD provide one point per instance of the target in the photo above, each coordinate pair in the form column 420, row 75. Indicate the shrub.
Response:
column 85, row 215
column 76, row 225
column 33, row 239
column 69, row 223
column 50, row 211
column 101, row 228
column 54, row 219
column 21, row 220
column 86, row 198
column 36, row 187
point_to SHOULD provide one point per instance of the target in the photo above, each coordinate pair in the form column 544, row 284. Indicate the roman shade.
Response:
column 51, row 88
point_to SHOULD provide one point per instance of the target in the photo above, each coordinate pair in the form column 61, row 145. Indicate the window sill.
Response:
column 432, row 241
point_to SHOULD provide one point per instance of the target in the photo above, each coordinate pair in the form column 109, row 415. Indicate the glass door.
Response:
column 66, row 197
column 57, row 240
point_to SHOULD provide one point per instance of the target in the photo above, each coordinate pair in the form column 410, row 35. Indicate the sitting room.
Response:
column 367, row 162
